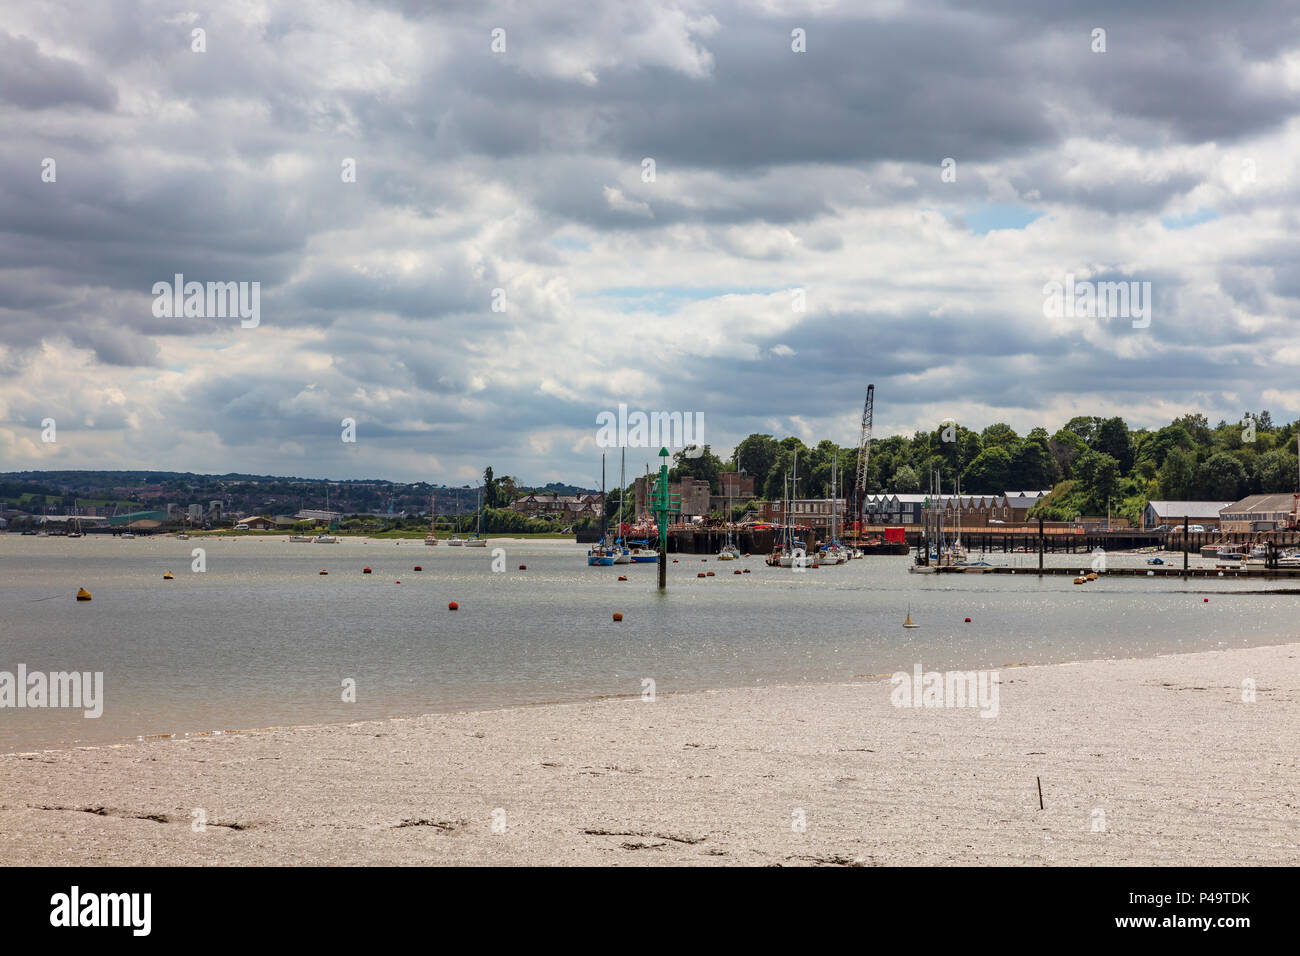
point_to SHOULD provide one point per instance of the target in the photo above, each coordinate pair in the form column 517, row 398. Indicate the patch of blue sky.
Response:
column 664, row 300
column 990, row 217
column 1186, row 221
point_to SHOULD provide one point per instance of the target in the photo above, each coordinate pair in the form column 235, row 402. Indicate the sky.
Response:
column 740, row 211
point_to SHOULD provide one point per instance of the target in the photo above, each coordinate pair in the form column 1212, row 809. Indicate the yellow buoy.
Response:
column 168, row 576
column 1080, row 581
column 1092, row 576
column 83, row 594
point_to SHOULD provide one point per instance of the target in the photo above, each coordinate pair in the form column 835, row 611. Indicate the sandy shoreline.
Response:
column 1164, row 750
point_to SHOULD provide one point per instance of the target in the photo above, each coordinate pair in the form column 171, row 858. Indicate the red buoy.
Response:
column 710, row 574
column 737, row 571
column 700, row 575
column 1206, row 600
column 365, row 570
column 453, row 606
column 397, row 582
column 967, row 620
column 523, row 567
column 746, row 571
column 622, row 577
column 618, row 616
column 417, row 568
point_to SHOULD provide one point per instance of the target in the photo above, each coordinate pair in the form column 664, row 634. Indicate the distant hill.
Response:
column 84, row 490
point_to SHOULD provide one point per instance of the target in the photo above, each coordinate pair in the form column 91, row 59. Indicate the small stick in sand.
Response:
column 1040, row 792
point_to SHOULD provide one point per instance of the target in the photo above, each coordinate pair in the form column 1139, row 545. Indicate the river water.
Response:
column 259, row 638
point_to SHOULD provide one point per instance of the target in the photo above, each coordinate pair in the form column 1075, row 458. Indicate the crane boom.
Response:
column 864, row 448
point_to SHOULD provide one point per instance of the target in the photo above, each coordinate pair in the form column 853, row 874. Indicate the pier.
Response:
column 1146, row 572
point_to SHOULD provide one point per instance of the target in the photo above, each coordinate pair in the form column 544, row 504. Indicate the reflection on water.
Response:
column 262, row 639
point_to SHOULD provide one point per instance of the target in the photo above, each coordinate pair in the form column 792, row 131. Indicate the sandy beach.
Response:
column 1148, row 762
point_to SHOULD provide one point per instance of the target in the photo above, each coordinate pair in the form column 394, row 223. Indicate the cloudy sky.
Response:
column 1172, row 158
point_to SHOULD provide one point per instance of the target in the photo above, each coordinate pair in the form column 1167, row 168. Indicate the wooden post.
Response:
column 1186, row 545
column 1040, row 544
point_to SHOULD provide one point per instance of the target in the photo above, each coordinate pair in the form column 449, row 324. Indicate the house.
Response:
column 737, row 485
column 1172, row 513
column 257, row 523
column 1259, row 513
column 893, row 509
column 815, row 513
column 548, row 504
column 694, row 494
column 1020, row 502
column 318, row 517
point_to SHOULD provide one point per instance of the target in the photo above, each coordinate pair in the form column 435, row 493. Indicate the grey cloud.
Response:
column 31, row 80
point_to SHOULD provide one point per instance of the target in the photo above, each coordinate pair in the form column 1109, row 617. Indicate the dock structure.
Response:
column 1140, row 572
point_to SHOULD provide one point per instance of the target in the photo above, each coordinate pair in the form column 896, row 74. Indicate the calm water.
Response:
column 262, row 639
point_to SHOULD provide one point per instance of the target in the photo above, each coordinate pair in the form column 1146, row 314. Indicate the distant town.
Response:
column 1092, row 472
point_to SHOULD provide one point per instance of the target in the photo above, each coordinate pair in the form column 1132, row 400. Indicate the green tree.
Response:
column 756, row 455
column 1221, row 477
column 1066, row 446
column 1275, row 472
column 1096, row 481
column 1085, row 426
column 1112, row 438
column 906, row 481
column 988, row 473
column 999, row 433
column 1178, row 475
column 706, row 466
column 1032, row 466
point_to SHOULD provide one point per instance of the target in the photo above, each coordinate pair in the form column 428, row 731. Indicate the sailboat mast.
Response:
column 622, row 492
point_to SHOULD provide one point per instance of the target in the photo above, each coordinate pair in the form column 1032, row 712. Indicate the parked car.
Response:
column 1163, row 527
column 241, row 527
column 1195, row 528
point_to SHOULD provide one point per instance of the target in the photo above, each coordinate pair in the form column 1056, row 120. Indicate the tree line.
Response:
column 1088, row 463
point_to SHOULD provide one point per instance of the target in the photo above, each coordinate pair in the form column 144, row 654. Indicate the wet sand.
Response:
column 1143, row 762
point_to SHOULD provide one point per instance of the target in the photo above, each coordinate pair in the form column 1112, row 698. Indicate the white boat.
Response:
column 455, row 541
column 126, row 534
column 300, row 539
column 476, row 540
column 325, row 539
column 431, row 539
column 729, row 552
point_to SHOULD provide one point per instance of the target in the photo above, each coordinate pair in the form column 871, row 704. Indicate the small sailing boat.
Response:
column 908, row 622
column 476, row 540
column 431, row 538
column 600, row 555
column 326, row 538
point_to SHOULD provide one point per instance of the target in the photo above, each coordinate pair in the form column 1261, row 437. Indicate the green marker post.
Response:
column 665, row 505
